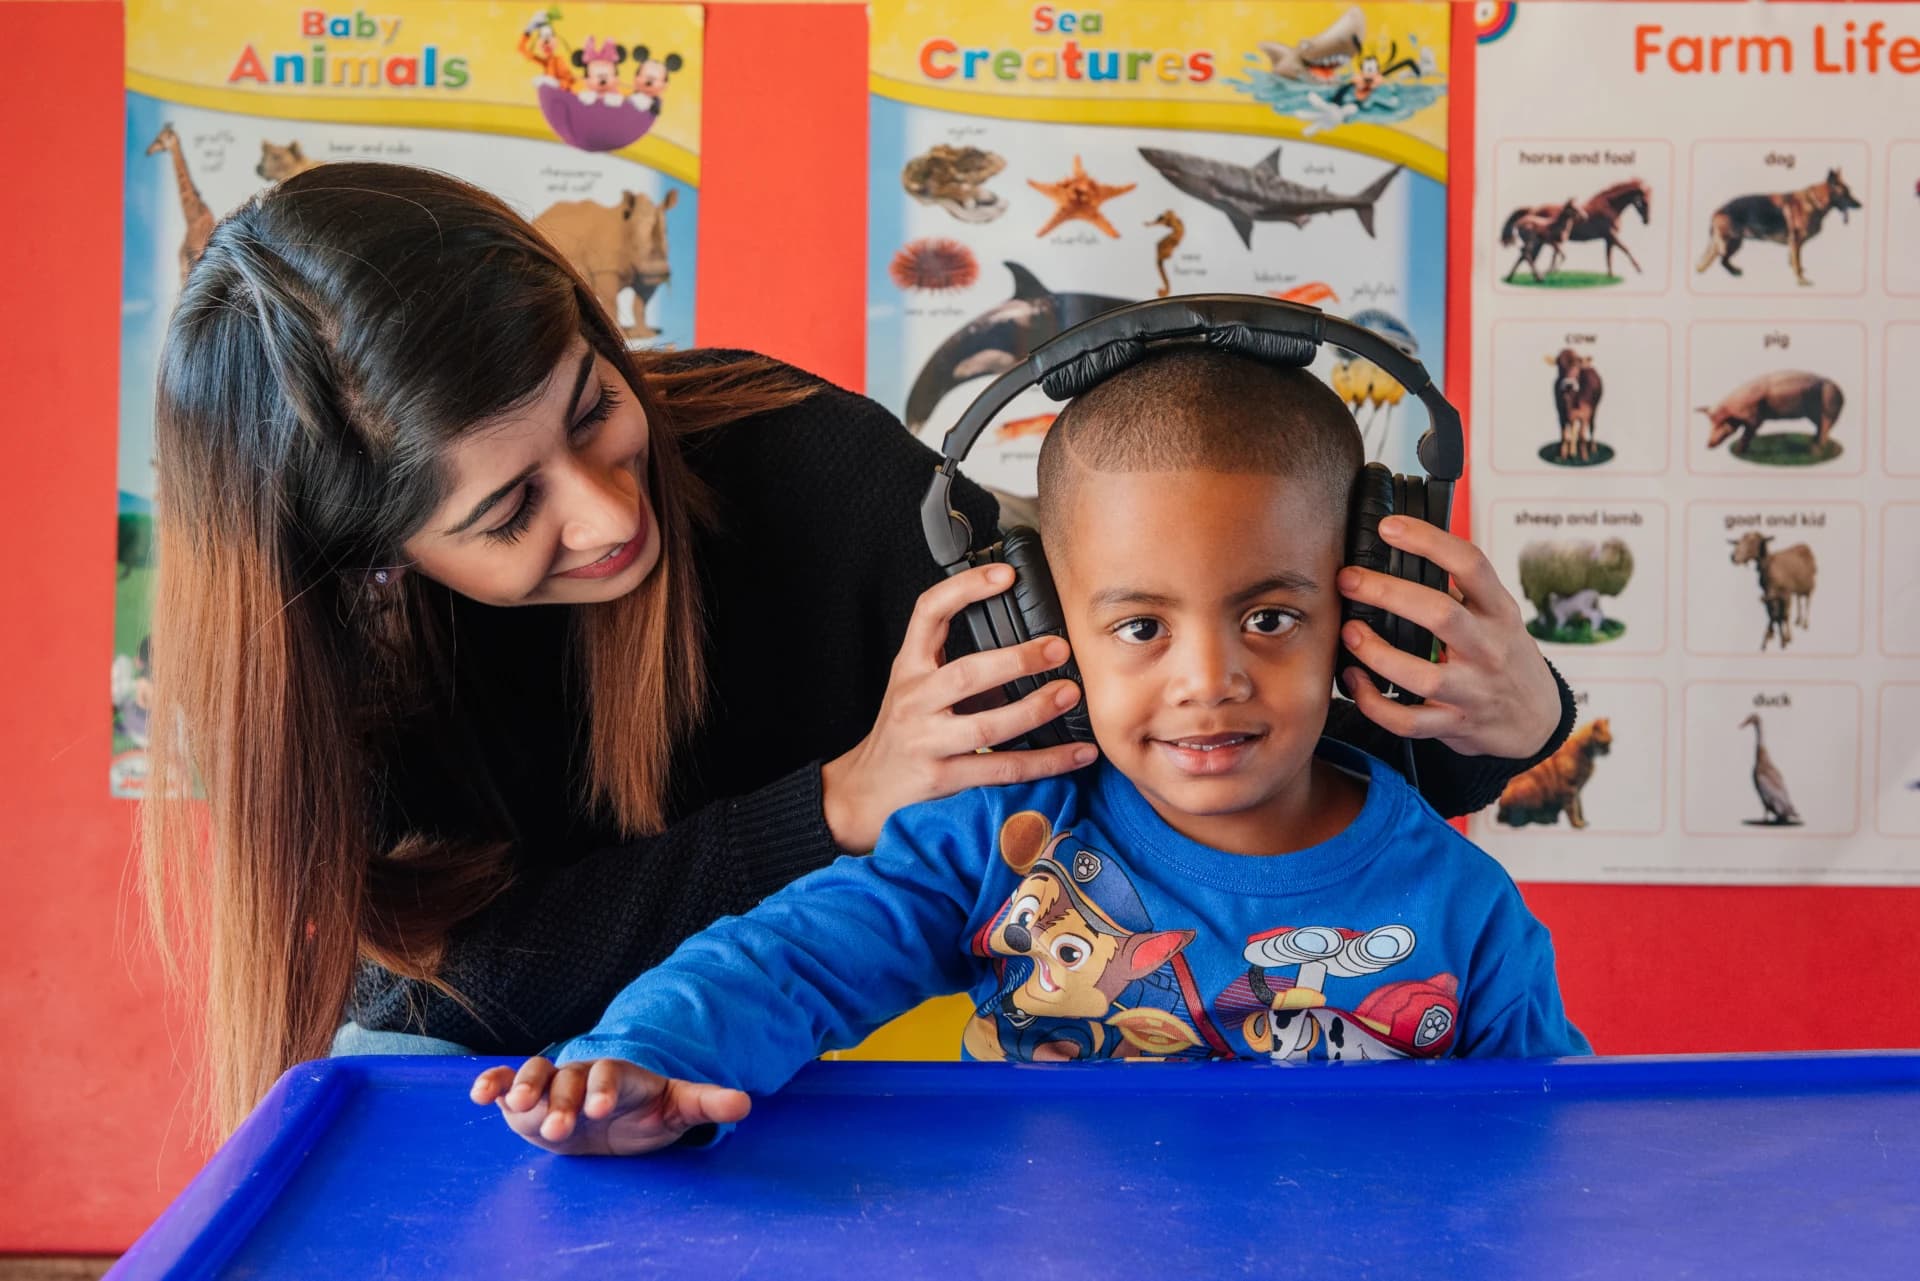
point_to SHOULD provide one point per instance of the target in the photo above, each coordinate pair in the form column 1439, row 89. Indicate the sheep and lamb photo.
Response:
column 1565, row 580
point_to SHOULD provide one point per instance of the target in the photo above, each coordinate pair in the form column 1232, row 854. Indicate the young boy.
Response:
column 1222, row 884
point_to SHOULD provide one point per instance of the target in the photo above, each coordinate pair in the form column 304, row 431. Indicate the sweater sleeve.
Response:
column 1510, row 1003
column 542, row 961
column 749, row 1001
column 1450, row 782
column 1516, row 1011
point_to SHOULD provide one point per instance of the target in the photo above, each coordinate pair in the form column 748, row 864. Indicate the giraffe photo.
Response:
column 198, row 216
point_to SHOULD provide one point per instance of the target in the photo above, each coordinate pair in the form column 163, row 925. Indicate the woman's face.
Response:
column 548, row 504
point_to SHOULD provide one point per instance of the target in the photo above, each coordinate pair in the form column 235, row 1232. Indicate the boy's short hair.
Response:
column 1198, row 409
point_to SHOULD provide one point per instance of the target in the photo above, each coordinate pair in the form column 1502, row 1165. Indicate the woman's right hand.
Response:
column 921, row 747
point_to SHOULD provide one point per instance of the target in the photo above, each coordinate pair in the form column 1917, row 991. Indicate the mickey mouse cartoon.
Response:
column 650, row 77
column 600, row 61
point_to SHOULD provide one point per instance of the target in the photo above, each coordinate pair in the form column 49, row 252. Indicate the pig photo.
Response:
column 1784, row 394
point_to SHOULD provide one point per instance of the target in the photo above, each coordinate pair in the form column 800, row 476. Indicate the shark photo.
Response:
column 1247, row 194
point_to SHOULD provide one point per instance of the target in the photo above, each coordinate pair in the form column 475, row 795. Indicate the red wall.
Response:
column 90, row 1115
column 87, row 1125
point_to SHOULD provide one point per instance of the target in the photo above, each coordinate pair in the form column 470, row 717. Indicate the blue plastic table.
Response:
column 1751, row 1166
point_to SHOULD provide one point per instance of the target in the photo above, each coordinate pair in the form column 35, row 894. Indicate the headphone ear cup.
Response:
column 1415, row 639
column 990, row 624
column 1035, row 604
column 1397, row 568
column 1435, row 513
column 1372, row 503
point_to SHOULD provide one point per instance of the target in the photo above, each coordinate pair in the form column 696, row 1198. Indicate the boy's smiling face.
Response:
column 1203, row 615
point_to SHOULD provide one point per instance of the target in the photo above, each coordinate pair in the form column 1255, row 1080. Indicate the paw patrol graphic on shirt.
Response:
column 1289, row 1017
column 1084, row 973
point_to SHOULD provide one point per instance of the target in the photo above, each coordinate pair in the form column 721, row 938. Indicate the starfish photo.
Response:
column 1079, row 197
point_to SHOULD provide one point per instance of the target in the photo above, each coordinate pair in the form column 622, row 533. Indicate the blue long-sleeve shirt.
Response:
column 1085, row 927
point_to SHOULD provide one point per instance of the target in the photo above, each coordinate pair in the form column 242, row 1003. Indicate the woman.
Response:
column 506, row 658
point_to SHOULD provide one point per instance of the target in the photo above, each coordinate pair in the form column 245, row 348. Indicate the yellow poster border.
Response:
column 668, row 158
column 1424, row 158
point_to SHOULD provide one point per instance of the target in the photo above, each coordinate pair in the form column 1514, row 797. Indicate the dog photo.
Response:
column 1774, row 218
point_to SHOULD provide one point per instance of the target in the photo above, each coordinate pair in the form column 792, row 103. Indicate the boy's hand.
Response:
column 1494, row 695
column 606, row 1107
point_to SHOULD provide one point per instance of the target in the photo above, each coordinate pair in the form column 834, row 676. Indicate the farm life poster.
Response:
column 1697, row 318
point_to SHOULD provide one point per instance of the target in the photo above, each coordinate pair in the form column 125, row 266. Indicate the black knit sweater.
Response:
column 808, row 583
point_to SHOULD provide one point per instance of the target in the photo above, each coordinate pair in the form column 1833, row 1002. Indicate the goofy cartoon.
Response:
column 1372, row 71
column 1084, row 974
column 540, row 44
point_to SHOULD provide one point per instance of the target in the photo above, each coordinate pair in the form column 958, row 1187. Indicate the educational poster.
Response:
column 1697, row 311
column 585, row 117
column 1035, row 165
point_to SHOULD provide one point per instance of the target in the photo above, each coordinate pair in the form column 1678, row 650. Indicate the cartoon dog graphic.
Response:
column 1289, row 1019
column 1084, row 972
column 1789, row 218
column 540, row 44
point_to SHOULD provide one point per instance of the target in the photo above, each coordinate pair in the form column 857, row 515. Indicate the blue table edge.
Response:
column 208, row 1221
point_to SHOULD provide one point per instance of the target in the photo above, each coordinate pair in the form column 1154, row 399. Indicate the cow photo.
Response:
column 1577, row 387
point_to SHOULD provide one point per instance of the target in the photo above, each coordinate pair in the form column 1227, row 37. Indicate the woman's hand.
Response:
column 1494, row 694
column 921, row 748
column 603, row 1107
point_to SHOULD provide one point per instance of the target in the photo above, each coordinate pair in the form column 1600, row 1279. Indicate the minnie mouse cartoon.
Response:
column 650, row 77
column 600, row 61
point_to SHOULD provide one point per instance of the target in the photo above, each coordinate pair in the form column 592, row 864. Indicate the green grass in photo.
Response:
column 132, row 608
column 1565, row 280
column 1578, row 631
column 1602, row 453
column 1789, row 449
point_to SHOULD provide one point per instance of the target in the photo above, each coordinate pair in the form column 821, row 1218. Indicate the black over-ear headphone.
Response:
column 1267, row 329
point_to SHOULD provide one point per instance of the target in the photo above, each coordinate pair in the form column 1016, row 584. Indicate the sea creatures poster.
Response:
column 1033, row 165
column 585, row 117
column 1697, row 329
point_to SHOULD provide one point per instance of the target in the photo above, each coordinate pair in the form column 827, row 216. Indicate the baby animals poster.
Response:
column 1033, row 165
column 1697, row 314
column 584, row 117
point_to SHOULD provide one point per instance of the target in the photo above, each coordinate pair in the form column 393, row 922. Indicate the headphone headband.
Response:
column 1272, row 330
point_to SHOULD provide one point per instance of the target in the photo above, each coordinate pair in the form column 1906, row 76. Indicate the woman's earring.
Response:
column 381, row 576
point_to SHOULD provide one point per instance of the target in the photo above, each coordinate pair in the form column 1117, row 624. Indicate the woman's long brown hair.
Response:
column 339, row 332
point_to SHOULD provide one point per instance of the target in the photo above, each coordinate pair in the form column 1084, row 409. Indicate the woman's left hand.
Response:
column 1493, row 695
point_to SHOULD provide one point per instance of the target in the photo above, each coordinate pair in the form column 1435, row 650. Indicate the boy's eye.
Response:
column 1271, row 622
column 1140, row 631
